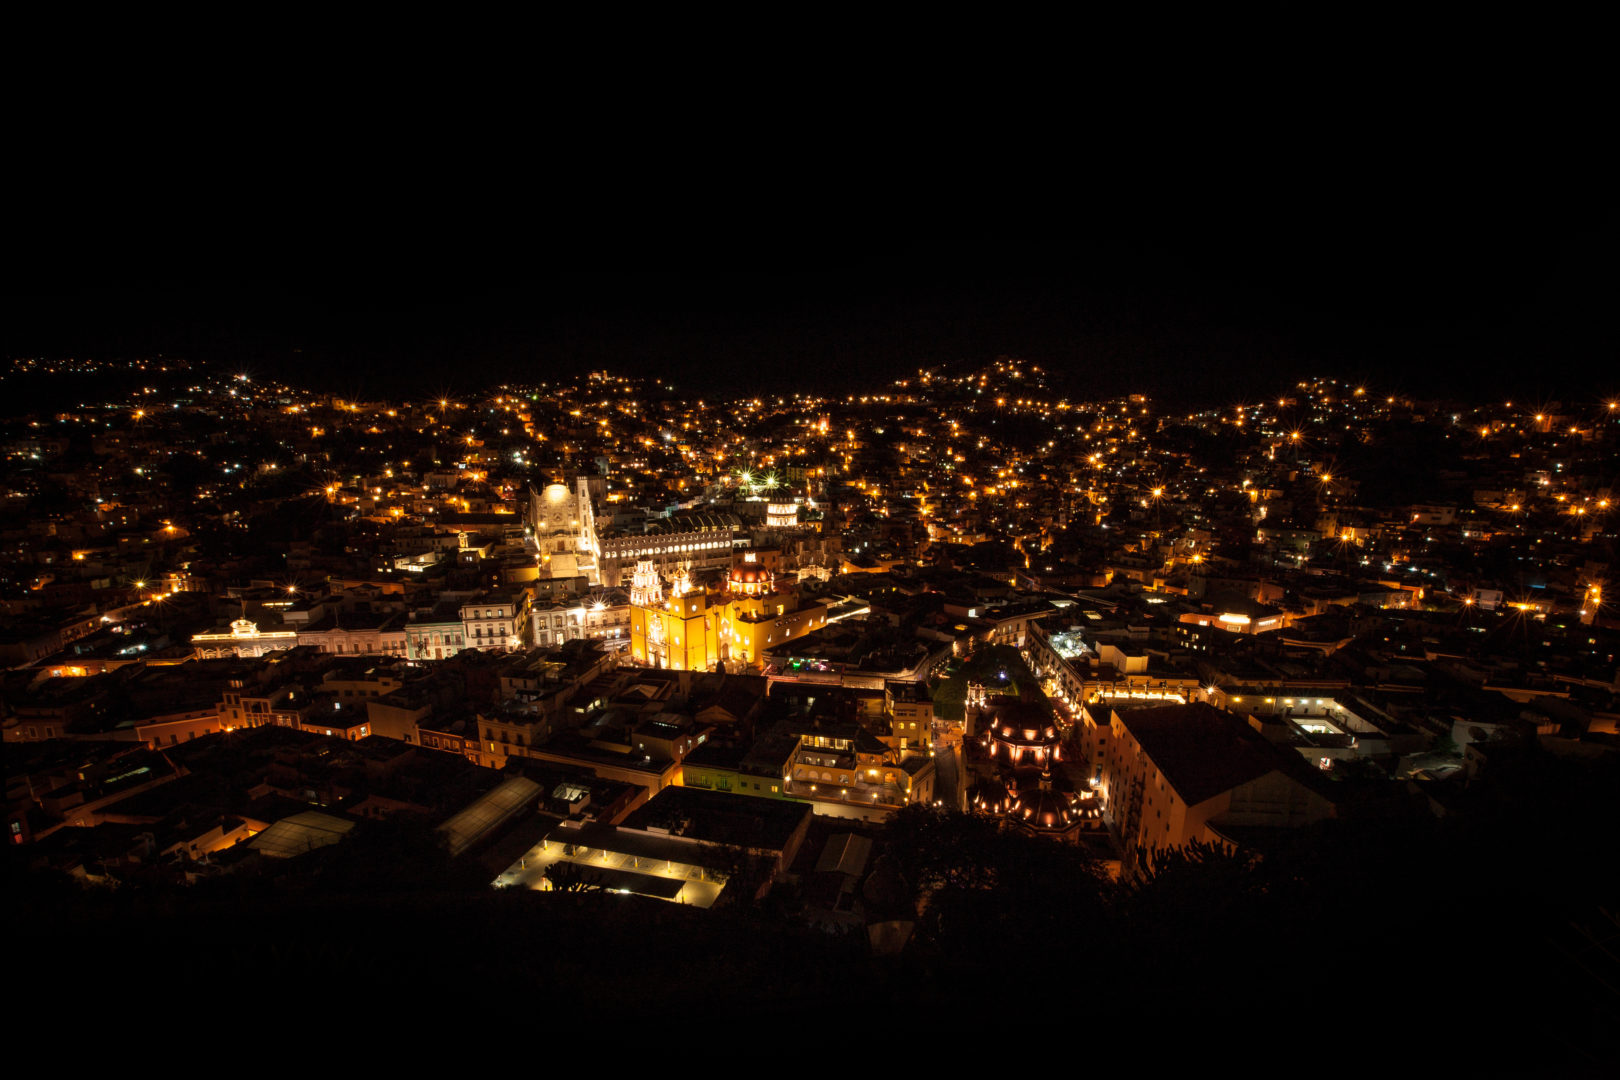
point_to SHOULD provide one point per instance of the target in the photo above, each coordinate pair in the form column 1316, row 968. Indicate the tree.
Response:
column 982, row 889
column 566, row 876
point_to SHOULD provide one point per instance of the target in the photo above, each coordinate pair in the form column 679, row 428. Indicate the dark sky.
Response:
column 1221, row 297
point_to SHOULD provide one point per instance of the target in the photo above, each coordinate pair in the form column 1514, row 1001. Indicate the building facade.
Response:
column 495, row 620
column 562, row 523
column 244, row 639
column 1176, row 774
column 434, row 640
column 695, row 630
column 695, row 542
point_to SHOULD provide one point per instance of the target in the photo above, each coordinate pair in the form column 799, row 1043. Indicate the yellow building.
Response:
column 698, row 630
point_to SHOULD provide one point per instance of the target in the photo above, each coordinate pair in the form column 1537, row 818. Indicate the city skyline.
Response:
column 541, row 654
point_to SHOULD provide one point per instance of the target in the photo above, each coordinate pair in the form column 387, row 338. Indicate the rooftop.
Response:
column 1201, row 750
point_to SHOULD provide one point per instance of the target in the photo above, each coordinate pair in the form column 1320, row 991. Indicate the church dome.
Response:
column 1043, row 809
column 750, row 579
column 989, row 796
column 1024, row 741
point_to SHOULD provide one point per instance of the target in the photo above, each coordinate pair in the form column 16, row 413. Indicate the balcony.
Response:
column 857, row 793
column 824, row 760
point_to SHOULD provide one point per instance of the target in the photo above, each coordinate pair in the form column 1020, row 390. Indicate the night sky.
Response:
column 1218, row 299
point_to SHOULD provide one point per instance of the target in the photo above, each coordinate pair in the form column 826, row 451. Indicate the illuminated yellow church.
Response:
column 695, row 629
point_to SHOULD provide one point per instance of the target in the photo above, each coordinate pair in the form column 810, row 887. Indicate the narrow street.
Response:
column 948, row 773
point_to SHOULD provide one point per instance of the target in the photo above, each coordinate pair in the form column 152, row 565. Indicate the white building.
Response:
column 495, row 621
column 563, row 525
